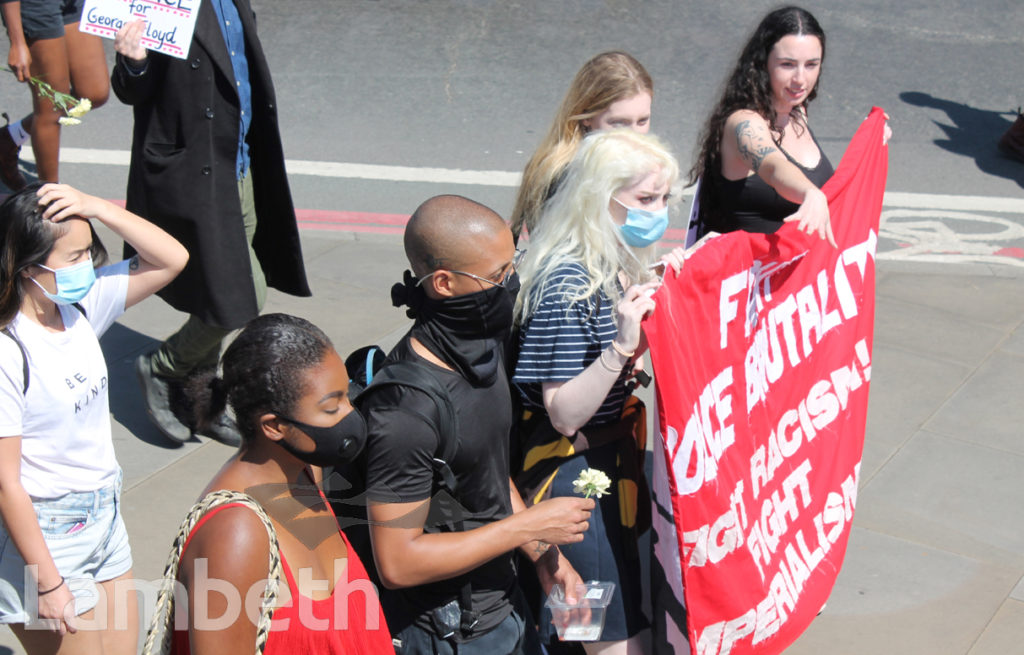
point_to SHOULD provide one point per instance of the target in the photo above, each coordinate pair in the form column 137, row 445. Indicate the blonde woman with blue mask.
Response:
column 587, row 282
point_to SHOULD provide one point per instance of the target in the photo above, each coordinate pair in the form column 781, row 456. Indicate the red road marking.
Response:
column 342, row 221
column 327, row 220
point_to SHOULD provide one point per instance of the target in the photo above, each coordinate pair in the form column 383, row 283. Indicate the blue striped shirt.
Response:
column 560, row 339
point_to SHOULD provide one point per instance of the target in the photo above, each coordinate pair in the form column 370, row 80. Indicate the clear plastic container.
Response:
column 583, row 621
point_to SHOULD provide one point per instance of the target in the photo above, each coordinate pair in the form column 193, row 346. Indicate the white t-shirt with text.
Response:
column 64, row 417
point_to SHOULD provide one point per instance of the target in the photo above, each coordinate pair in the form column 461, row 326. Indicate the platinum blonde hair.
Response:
column 576, row 224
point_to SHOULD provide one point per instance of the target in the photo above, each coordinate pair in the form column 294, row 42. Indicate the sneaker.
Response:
column 10, row 175
column 224, row 430
column 156, row 393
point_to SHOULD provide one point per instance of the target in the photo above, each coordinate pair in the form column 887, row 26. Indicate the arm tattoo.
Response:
column 751, row 144
column 541, row 548
column 133, row 264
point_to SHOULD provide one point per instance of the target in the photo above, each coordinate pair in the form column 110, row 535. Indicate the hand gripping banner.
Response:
column 761, row 349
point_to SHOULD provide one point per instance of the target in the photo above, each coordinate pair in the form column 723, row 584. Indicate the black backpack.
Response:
column 346, row 485
column 369, row 373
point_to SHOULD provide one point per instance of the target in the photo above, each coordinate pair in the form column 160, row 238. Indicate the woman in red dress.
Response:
column 288, row 389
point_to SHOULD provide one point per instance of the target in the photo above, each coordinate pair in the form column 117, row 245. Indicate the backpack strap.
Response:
column 410, row 374
column 416, row 376
column 24, row 356
column 24, row 353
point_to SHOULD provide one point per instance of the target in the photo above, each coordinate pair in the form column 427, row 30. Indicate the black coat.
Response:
column 183, row 172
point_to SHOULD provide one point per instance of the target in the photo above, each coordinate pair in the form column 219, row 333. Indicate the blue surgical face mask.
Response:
column 642, row 227
column 73, row 282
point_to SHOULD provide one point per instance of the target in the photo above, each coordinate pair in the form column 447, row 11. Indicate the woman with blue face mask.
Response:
column 587, row 281
column 63, row 545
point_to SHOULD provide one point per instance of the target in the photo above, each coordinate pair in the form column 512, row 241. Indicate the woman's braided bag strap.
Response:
column 158, row 638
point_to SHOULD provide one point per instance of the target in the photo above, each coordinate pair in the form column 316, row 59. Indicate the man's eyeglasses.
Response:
column 516, row 261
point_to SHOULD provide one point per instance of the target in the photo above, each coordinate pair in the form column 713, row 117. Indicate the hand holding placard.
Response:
column 166, row 25
column 128, row 41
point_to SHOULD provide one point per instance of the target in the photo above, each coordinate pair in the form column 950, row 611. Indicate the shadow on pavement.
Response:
column 121, row 345
column 974, row 133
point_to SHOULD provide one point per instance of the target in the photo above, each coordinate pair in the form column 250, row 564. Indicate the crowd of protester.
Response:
column 460, row 460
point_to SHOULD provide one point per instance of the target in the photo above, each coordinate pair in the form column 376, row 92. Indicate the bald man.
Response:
column 457, row 586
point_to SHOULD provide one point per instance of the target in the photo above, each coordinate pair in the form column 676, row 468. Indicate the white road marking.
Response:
column 511, row 179
column 321, row 169
column 929, row 236
column 953, row 203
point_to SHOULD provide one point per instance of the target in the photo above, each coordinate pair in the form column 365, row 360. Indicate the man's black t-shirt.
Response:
column 402, row 441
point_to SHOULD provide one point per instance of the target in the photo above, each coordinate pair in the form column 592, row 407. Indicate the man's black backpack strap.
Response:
column 416, row 376
column 458, row 614
column 24, row 354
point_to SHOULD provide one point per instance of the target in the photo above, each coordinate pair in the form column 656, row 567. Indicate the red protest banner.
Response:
column 762, row 355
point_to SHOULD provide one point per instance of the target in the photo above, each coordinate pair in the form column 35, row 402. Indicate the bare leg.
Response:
column 109, row 629
column 50, row 64
column 77, row 60
column 121, row 636
column 87, row 65
column 47, row 642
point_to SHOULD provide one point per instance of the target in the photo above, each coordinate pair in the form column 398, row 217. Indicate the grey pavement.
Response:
column 935, row 563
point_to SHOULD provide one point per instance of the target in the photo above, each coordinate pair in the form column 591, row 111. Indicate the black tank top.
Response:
column 751, row 204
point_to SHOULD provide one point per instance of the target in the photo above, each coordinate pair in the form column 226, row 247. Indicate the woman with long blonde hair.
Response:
column 587, row 282
column 612, row 90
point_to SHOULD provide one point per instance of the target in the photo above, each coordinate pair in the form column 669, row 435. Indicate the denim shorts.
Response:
column 45, row 19
column 87, row 540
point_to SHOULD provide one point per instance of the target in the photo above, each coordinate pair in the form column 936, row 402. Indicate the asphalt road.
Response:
column 473, row 85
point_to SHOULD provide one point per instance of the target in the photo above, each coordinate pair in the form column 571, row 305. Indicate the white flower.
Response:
column 67, row 120
column 591, row 482
column 80, row 109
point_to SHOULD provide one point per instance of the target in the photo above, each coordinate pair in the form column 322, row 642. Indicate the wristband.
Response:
column 622, row 351
column 50, row 591
column 608, row 367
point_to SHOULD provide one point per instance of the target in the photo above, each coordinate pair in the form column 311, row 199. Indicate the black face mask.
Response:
column 335, row 445
column 467, row 331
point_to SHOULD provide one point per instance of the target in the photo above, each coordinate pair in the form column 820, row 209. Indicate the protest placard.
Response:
column 761, row 350
column 169, row 23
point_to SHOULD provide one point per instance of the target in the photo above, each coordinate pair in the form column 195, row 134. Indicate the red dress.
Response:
column 350, row 620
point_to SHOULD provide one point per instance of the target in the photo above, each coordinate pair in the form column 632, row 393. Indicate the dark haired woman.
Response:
column 60, row 484
column 759, row 163
column 288, row 389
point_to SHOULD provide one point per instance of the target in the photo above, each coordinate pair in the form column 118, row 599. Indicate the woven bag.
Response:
column 158, row 637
